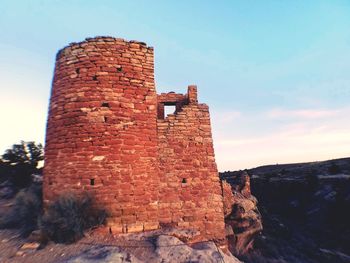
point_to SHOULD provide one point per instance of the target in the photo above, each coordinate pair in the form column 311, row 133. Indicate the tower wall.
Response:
column 190, row 194
column 101, row 132
column 107, row 135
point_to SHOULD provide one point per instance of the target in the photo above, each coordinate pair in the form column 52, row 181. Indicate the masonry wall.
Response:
column 107, row 135
column 190, row 192
column 101, row 132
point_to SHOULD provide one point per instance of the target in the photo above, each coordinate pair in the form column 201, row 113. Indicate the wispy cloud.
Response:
column 226, row 117
column 302, row 114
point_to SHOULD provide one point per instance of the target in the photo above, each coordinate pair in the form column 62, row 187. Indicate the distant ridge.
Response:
column 328, row 167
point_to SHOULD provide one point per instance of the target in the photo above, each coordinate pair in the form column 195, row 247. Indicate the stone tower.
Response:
column 107, row 135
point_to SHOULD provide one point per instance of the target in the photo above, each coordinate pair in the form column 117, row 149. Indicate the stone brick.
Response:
column 132, row 228
column 150, row 226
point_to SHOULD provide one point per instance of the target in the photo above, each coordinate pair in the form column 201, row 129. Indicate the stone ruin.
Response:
column 107, row 134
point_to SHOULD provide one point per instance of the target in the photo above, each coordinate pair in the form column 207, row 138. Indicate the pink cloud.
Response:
column 304, row 135
column 225, row 117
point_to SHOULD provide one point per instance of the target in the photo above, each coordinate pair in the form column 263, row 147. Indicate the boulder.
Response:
column 170, row 250
column 163, row 249
column 103, row 254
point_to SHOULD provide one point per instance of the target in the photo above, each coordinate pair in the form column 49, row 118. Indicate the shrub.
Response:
column 312, row 182
column 4, row 175
column 66, row 219
column 334, row 169
column 25, row 212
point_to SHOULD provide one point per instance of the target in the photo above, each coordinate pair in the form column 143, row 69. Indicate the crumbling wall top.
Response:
column 176, row 99
column 103, row 40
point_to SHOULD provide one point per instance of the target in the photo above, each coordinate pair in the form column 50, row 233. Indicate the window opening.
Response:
column 105, row 104
column 169, row 109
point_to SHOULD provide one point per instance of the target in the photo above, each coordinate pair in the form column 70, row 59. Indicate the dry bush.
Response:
column 25, row 212
column 66, row 219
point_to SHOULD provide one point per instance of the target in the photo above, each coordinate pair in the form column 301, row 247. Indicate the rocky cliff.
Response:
column 242, row 217
column 305, row 209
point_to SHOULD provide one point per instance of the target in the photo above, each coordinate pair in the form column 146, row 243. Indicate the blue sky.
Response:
column 276, row 74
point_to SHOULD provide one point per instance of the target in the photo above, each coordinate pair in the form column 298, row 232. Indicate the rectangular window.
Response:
column 169, row 109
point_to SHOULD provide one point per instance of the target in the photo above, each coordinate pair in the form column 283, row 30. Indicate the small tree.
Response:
column 27, row 153
column 20, row 162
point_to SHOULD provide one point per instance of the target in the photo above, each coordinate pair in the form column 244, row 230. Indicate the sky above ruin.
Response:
column 276, row 74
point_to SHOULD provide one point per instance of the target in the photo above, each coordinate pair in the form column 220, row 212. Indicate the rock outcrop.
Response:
column 306, row 211
column 163, row 249
column 242, row 217
column 104, row 255
column 171, row 249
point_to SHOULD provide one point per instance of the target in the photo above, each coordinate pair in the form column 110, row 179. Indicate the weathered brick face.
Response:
column 107, row 135
column 190, row 193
